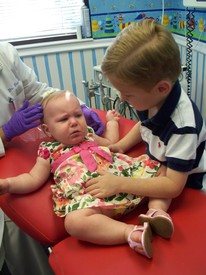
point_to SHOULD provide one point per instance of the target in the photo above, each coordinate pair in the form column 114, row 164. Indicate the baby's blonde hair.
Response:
column 47, row 96
column 143, row 53
column 52, row 95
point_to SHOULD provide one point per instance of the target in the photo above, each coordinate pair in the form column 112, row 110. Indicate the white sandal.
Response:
column 160, row 222
column 144, row 247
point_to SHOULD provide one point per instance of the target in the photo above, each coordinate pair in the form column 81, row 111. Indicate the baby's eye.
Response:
column 63, row 119
column 78, row 115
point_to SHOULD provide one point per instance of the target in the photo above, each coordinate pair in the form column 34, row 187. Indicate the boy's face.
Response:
column 141, row 99
column 64, row 120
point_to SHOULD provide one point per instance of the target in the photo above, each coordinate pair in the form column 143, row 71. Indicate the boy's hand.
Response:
column 103, row 186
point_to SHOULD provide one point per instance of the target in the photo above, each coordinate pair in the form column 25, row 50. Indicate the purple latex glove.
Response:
column 93, row 120
column 25, row 118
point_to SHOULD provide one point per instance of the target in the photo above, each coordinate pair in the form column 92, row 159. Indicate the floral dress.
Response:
column 73, row 168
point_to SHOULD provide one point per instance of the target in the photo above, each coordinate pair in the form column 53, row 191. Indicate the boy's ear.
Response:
column 164, row 87
column 46, row 129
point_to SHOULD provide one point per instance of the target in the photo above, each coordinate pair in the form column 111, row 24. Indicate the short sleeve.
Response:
column 90, row 133
column 43, row 151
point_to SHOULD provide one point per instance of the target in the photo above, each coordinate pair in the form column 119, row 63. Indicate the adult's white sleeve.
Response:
column 2, row 149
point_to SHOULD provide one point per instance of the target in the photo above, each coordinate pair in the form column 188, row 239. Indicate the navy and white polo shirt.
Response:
column 176, row 136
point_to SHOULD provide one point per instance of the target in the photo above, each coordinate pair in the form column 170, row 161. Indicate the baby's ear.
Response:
column 46, row 129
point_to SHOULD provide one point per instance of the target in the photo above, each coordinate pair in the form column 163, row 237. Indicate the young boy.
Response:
column 143, row 64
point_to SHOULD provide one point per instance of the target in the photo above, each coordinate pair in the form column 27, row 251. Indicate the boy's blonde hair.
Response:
column 143, row 53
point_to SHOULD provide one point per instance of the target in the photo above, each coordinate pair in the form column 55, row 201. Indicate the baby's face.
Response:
column 64, row 119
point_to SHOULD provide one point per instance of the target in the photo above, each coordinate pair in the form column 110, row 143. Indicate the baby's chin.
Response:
column 76, row 139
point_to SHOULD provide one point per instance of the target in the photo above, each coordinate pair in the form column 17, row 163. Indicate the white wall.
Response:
column 65, row 64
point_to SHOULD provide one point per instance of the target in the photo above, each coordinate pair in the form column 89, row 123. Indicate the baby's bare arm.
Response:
column 111, row 133
column 127, row 142
column 27, row 182
column 112, row 115
column 4, row 186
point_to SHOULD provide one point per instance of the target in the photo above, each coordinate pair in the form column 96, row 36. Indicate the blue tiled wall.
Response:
column 109, row 17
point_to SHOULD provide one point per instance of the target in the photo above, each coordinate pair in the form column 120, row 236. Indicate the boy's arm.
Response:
column 27, row 182
column 166, row 186
column 169, row 185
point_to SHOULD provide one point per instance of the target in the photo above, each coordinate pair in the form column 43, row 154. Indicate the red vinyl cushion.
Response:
column 33, row 212
column 183, row 254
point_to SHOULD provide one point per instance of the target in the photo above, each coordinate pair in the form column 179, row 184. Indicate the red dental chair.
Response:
column 184, row 254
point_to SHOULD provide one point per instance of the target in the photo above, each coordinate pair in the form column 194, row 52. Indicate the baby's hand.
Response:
column 112, row 115
column 4, row 186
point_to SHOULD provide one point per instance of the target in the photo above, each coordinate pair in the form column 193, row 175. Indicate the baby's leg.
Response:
column 100, row 228
column 90, row 224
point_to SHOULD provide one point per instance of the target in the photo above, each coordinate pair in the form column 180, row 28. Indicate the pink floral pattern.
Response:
column 68, row 190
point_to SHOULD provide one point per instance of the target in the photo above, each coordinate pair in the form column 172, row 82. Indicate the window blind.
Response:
column 31, row 19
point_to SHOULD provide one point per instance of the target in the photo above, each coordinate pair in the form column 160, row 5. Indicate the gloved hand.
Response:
column 93, row 120
column 25, row 118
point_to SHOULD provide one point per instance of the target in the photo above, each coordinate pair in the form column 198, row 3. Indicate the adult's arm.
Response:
column 33, row 89
column 2, row 143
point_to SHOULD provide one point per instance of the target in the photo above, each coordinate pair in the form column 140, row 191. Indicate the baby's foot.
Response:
column 141, row 240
